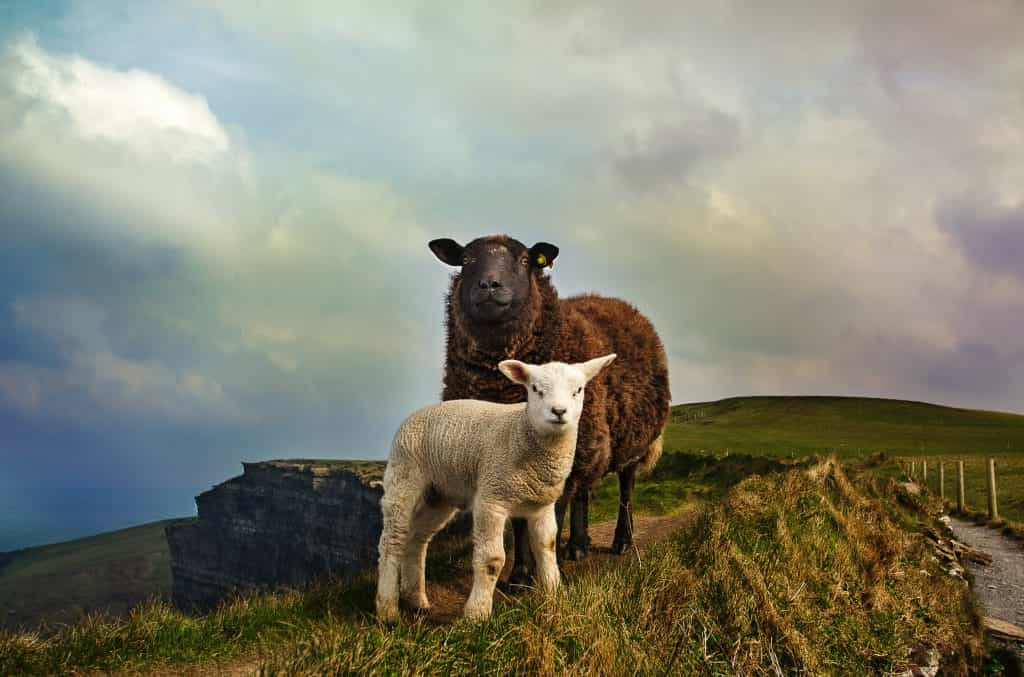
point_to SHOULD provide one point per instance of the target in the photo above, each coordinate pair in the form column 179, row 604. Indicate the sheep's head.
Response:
column 496, row 274
column 554, row 391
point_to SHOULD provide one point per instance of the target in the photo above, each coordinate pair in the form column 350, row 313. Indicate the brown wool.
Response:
column 626, row 406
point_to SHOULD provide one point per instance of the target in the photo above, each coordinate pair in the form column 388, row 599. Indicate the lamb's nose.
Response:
column 489, row 283
column 558, row 411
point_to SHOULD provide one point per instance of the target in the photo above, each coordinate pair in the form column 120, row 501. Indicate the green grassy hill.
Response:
column 112, row 571
column 849, row 426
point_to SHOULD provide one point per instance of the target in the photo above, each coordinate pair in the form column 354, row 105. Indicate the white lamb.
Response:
column 498, row 460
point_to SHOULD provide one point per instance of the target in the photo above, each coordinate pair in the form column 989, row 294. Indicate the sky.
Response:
column 215, row 215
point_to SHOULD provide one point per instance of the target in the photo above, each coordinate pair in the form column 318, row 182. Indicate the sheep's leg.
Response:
column 560, row 507
column 428, row 520
column 543, row 541
column 523, row 564
column 488, row 558
column 396, row 508
column 579, row 539
column 623, row 540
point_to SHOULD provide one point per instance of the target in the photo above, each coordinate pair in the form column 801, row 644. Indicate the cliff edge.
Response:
column 278, row 524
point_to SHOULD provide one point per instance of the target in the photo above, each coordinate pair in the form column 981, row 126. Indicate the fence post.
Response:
column 993, row 504
column 961, row 503
column 924, row 473
column 942, row 481
column 913, row 470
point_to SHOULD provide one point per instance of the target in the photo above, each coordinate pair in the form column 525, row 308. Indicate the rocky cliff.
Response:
column 278, row 524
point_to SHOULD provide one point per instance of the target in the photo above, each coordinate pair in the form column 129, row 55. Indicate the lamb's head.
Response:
column 496, row 274
column 554, row 391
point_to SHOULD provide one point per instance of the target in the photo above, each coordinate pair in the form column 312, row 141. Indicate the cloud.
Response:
column 92, row 382
column 133, row 109
column 991, row 236
column 771, row 188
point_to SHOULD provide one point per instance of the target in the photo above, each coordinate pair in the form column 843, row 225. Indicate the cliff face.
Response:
column 278, row 524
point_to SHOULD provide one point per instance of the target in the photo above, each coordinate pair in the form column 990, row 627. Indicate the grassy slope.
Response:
column 800, row 570
column 849, row 426
column 854, row 426
column 59, row 582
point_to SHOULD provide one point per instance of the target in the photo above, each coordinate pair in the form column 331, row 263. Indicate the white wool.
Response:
column 498, row 460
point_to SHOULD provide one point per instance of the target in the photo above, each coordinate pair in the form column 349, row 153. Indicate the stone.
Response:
column 278, row 525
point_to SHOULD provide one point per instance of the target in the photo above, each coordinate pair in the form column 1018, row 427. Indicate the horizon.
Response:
column 216, row 216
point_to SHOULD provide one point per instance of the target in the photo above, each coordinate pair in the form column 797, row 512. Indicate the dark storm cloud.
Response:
column 990, row 236
column 664, row 153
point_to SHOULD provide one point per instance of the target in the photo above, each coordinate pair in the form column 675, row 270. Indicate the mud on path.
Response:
column 999, row 586
column 448, row 597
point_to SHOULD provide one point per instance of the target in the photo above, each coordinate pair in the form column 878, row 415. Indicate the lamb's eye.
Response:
column 524, row 261
column 466, row 260
column 578, row 391
column 539, row 392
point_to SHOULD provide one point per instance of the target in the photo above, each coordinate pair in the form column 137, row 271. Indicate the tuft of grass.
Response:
column 683, row 478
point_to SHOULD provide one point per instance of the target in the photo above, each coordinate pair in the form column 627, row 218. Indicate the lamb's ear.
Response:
column 590, row 368
column 542, row 254
column 448, row 250
column 517, row 372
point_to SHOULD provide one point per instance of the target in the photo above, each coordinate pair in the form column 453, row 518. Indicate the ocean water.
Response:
column 37, row 516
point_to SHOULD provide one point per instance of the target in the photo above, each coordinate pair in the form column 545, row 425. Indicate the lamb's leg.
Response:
column 579, row 539
column 428, row 520
column 488, row 558
column 623, row 540
column 396, row 508
column 523, row 565
column 543, row 541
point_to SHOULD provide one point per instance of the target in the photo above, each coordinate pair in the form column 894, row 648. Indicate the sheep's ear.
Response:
column 449, row 251
column 517, row 371
column 590, row 368
column 542, row 254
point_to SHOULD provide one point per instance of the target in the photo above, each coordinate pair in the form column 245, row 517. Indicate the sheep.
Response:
column 501, row 304
column 499, row 460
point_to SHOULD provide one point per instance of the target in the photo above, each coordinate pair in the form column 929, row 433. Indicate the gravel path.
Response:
column 1000, row 585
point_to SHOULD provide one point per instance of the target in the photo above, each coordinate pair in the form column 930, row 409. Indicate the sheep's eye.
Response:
column 539, row 392
column 578, row 391
column 466, row 260
column 524, row 261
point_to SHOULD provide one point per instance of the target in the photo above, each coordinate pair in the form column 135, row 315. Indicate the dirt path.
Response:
column 447, row 598
column 999, row 586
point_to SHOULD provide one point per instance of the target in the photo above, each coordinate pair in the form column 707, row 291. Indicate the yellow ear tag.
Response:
column 541, row 260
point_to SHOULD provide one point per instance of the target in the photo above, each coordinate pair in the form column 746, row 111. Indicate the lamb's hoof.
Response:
column 575, row 552
column 387, row 613
column 621, row 547
column 520, row 579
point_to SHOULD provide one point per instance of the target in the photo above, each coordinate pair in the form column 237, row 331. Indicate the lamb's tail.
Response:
column 653, row 453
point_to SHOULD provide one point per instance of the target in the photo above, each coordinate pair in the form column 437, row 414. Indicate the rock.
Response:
column 279, row 524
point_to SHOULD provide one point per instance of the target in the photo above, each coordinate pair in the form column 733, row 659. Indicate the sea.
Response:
column 38, row 516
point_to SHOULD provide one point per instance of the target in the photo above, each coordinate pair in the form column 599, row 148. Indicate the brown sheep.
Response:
column 501, row 305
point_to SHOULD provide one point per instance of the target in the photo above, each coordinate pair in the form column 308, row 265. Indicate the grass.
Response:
column 681, row 479
column 367, row 470
column 847, row 426
column 61, row 582
column 803, row 570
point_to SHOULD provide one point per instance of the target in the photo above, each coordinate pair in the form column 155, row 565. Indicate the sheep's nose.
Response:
column 489, row 283
column 558, row 411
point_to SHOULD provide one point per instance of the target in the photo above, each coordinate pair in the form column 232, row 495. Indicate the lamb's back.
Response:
column 450, row 439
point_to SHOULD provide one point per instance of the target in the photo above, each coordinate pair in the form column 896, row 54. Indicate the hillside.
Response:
column 112, row 571
column 849, row 426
